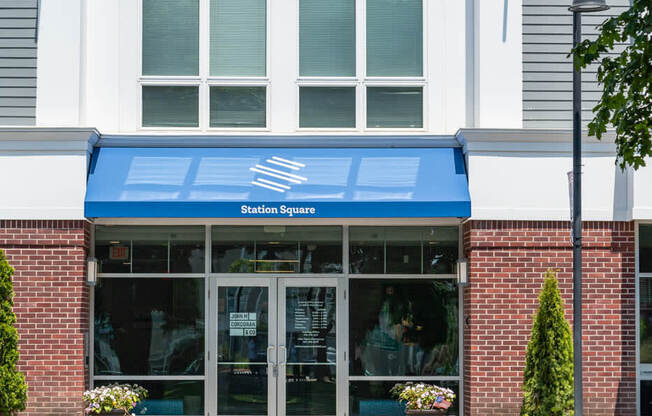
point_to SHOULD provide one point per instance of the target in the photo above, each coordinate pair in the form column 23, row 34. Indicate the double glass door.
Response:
column 276, row 350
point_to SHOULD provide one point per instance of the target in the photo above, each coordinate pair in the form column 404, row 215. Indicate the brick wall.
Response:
column 506, row 263
column 51, row 304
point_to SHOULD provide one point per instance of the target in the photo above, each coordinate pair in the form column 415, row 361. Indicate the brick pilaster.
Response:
column 51, row 304
column 506, row 263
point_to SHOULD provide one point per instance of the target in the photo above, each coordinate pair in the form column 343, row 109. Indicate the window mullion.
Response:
column 361, row 63
column 204, row 62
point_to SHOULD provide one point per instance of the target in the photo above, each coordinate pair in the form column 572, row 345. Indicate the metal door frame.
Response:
column 276, row 350
column 340, row 323
column 272, row 358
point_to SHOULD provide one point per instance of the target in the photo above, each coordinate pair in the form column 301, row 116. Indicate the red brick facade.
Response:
column 506, row 263
column 507, row 260
column 51, row 305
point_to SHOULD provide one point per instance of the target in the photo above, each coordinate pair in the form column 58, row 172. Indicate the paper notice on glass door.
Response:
column 242, row 324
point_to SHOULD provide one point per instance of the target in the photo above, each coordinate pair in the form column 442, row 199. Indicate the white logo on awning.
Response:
column 282, row 180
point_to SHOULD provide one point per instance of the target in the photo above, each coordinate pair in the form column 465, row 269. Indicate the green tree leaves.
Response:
column 626, row 101
column 13, row 389
column 548, row 374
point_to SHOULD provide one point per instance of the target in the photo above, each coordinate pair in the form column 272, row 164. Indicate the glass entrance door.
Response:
column 246, row 353
column 277, row 346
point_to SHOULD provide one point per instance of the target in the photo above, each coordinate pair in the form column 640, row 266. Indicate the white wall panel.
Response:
column 498, row 63
column 522, row 175
column 101, row 81
column 643, row 192
column 283, row 18
column 43, row 186
column 59, row 63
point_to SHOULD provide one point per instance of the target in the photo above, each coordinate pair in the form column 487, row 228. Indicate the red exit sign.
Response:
column 119, row 253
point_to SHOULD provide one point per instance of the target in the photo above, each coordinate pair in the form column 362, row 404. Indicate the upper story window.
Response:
column 171, row 37
column 205, row 64
column 188, row 77
column 349, row 81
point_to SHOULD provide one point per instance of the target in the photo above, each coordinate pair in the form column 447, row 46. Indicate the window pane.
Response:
column 646, row 397
column 168, row 397
column 143, row 249
column 312, row 349
column 281, row 249
column 238, row 36
column 394, row 107
column 403, row 250
column 440, row 250
column 403, row 327
column 394, row 38
column 238, row 107
column 372, row 398
column 170, row 106
column 242, row 389
column 327, row 38
column 232, row 343
column 242, row 350
column 326, row 107
column 170, row 37
column 645, row 249
column 149, row 326
column 645, row 294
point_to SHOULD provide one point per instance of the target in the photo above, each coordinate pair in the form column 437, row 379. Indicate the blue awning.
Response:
column 277, row 182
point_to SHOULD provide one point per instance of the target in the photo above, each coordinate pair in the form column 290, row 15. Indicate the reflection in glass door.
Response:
column 308, row 372
column 276, row 346
column 246, row 352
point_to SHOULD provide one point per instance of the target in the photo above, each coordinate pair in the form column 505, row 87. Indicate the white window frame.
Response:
column 361, row 81
column 204, row 80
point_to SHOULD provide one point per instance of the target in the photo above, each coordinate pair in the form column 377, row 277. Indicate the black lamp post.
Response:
column 578, row 7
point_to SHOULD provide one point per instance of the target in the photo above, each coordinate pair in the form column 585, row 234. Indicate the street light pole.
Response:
column 577, row 220
column 578, row 7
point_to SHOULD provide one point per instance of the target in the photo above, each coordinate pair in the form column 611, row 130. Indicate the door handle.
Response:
column 271, row 361
column 283, row 353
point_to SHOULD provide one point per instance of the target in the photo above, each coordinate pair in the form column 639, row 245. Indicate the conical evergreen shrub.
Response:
column 548, row 375
column 13, row 389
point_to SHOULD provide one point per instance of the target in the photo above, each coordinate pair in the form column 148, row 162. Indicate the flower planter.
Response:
column 428, row 412
column 114, row 412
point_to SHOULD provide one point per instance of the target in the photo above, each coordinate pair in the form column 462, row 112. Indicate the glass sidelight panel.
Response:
column 373, row 398
column 242, row 342
column 645, row 248
column 310, row 334
column 403, row 250
column 167, row 397
column 403, row 327
column 646, row 397
column 645, row 311
column 145, row 249
column 149, row 326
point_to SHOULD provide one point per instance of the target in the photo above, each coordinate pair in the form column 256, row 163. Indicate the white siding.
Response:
column 547, row 69
column 17, row 62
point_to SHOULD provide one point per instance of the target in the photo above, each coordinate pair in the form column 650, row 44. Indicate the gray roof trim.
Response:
column 531, row 141
column 306, row 141
column 47, row 139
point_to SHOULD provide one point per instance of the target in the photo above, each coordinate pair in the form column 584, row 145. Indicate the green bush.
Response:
column 548, row 375
column 13, row 389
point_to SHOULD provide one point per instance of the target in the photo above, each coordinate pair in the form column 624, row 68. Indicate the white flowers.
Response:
column 424, row 396
column 114, row 397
